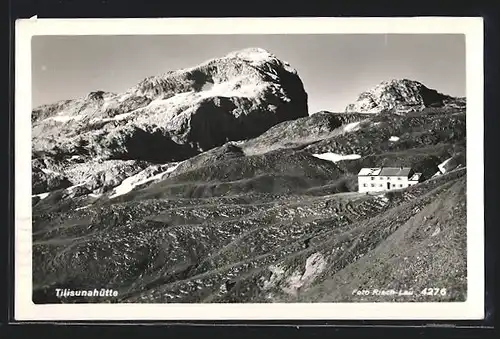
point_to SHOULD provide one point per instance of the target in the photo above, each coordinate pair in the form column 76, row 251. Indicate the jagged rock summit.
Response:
column 400, row 95
column 174, row 115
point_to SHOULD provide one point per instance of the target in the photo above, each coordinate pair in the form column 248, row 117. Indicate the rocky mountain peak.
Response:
column 241, row 68
column 257, row 57
column 96, row 95
column 251, row 54
column 401, row 95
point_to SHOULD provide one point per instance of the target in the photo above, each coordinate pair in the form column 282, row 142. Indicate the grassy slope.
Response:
column 418, row 244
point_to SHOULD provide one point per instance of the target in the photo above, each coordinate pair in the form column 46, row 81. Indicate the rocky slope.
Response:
column 262, row 218
column 401, row 95
column 259, row 247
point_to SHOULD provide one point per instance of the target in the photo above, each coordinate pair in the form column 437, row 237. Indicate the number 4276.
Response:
column 433, row 291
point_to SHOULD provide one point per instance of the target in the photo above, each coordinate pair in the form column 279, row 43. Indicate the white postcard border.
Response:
column 473, row 308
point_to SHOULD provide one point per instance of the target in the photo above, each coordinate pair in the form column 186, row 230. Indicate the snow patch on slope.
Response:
column 442, row 168
column 48, row 171
column 442, row 165
column 138, row 179
column 71, row 188
column 234, row 88
column 117, row 117
column 352, row 127
column 41, row 195
column 174, row 109
column 336, row 157
column 82, row 208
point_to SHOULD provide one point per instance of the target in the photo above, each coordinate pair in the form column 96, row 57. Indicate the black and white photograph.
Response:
column 205, row 168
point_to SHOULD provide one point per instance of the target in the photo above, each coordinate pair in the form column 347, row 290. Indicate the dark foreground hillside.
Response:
column 265, row 220
column 258, row 248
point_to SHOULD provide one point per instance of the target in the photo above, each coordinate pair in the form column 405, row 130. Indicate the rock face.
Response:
column 289, row 134
column 175, row 115
column 401, row 95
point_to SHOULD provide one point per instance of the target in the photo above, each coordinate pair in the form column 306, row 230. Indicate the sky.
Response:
column 335, row 68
